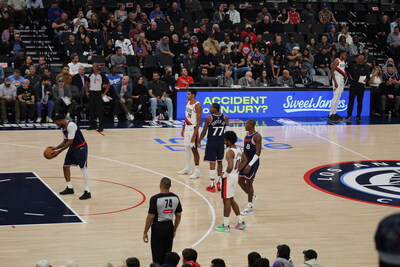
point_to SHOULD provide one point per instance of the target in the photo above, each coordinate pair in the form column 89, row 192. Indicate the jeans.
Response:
column 154, row 102
column 238, row 70
column 49, row 105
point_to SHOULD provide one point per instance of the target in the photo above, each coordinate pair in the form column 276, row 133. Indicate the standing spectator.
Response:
column 160, row 218
column 125, row 45
column 118, row 60
column 294, row 16
column 16, row 78
column 388, row 93
column 8, row 97
column 383, row 30
column 234, row 15
column 80, row 20
column 162, row 48
column 120, row 14
column 157, row 15
column 208, row 61
column 184, row 80
column 247, row 80
column 358, row 77
column 26, row 98
column 219, row 15
column 61, row 24
column 174, row 14
column 248, row 32
column 264, row 12
column 124, row 99
column 65, row 75
column 94, row 89
column 43, row 97
column 190, row 61
column 72, row 46
column 74, row 65
column 394, row 41
column 153, row 35
column 344, row 32
column 395, row 23
column 63, row 99
column 17, row 8
column 285, row 80
column 212, row 44
column 322, row 62
column 33, row 78
column 308, row 14
column 256, row 60
column 80, row 79
column 264, row 27
column 114, row 78
column 223, row 59
column 140, row 96
column 283, row 255
column 158, row 96
column 202, row 34
column 238, row 63
column 54, row 12
column 249, row 16
column 225, row 79
column 326, row 16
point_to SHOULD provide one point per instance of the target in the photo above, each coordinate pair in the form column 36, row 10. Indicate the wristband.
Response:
column 253, row 160
column 225, row 175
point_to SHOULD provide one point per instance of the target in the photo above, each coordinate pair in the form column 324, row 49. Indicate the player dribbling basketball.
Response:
column 77, row 154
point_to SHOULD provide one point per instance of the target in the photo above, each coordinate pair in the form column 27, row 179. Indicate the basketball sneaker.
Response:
column 185, row 171
column 223, row 228
column 247, row 211
column 240, row 226
column 86, row 195
column 218, row 186
column 210, row 189
column 67, row 191
column 195, row 175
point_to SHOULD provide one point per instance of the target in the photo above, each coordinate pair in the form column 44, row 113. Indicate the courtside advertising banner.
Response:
column 262, row 104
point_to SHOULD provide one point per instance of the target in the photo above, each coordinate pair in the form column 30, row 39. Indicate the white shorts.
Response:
column 188, row 134
column 229, row 185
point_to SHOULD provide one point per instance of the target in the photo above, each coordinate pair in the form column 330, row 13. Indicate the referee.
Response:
column 94, row 91
column 162, row 208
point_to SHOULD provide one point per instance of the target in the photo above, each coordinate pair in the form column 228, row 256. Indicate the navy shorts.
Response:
column 214, row 151
column 252, row 172
column 77, row 157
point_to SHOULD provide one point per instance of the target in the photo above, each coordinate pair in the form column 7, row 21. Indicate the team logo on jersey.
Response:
column 376, row 182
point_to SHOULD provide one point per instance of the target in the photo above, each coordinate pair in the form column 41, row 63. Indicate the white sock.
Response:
column 69, row 184
column 197, row 168
column 188, row 156
column 68, row 114
column 226, row 221
column 86, row 179
column 250, row 204
column 213, row 174
column 240, row 220
column 219, row 179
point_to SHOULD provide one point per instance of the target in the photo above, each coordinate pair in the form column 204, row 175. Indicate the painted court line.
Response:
column 3, row 210
column 33, row 214
column 332, row 142
column 69, row 215
column 34, row 177
column 5, row 180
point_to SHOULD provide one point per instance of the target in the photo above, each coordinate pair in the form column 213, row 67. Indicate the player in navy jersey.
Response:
column 252, row 150
column 76, row 156
column 215, row 126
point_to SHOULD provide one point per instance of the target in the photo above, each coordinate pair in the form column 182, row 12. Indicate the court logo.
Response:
column 376, row 182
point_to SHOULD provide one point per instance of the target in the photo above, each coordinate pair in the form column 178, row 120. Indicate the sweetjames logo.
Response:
column 376, row 182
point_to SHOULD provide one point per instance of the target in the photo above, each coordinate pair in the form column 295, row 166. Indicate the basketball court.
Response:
column 126, row 166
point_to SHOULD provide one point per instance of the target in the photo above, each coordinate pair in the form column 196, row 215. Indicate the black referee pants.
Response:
column 95, row 107
column 162, row 237
column 356, row 90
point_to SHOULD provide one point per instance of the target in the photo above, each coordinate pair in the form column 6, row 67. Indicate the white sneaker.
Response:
column 195, row 175
column 171, row 120
column 49, row 119
column 68, row 118
column 247, row 211
column 130, row 117
column 39, row 120
column 185, row 171
column 116, row 119
column 155, row 119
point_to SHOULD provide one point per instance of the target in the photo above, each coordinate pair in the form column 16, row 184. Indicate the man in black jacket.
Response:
column 389, row 94
column 72, row 46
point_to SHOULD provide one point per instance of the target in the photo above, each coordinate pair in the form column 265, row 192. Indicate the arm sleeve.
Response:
column 153, row 206
column 71, row 128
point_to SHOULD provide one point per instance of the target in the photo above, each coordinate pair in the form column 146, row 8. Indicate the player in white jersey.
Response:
column 190, row 133
column 339, row 77
column 236, row 160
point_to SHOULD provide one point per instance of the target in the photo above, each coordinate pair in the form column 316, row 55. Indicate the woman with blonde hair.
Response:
column 376, row 77
column 344, row 32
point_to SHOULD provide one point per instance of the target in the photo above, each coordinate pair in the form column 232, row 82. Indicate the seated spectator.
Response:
column 225, row 79
column 342, row 45
column 185, row 36
column 197, row 49
column 261, row 262
column 80, row 79
column 312, row 46
column 308, row 14
column 113, row 77
column 17, row 9
column 8, row 35
column 65, row 75
column 184, row 80
column 324, row 44
column 218, row 34
column 111, row 23
column 8, row 97
column 158, row 96
column 142, row 48
column 102, row 38
column 153, row 35
column 212, row 44
column 190, row 61
column 265, row 26
column 89, row 48
column 278, row 47
column 307, row 62
column 344, row 32
column 16, row 45
column 81, row 34
column 189, row 255
column 157, row 15
column 395, row 23
column 19, row 59
column 170, row 81
column 201, row 80
column 285, row 80
column 72, row 46
column 47, row 72
column 223, row 59
column 202, row 34
column 245, row 47
column 303, row 78
column 26, row 98
column 124, row 99
column 16, row 79
column 208, row 61
column 61, row 25
column 283, row 255
column 24, row 68
column 176, row 47
column 376, row 77
column 326, row 16
column 367, row 56
column 255, row 61
column 32, row 76
column 264, row 12
column 391, row 74
column 322, row 62
column 332, row 35
column 386, row 241
column 388, row 62
column 140, row 96
column 248, row 32
column 125, row 44
column 93, row 24
column 132, row 262
column 235, row 35
column 292, row 43
column 394, row 41
column 171, row 259
column 174, row 14
column 62, row 98
column 356, row 47
column 283, row 17
column 252, row 257
column 118, row 60
column 276, row 66
column 247, row 80
column 294, row 59
column 43, row 97
column 119, row 30
column 162, row 47
column 74, row 65
column 120, row 14
column 227, row 42
column 144, row 20
column 5, row 20
column 294, row 16
column 54, row 12
column 263, row 80
column 310, row 259
column 134, row 34
column 41, row 65
column 80, row 20
column 219, row 15
column 262, row 45
column 217, row 263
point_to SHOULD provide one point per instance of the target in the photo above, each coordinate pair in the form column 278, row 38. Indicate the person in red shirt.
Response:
column 294, row 16
column 184, row 80
column 249, row 32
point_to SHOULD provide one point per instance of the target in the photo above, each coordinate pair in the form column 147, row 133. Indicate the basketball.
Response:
column 48, row 153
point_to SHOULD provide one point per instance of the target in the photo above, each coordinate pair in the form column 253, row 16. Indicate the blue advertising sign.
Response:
column 253, row 104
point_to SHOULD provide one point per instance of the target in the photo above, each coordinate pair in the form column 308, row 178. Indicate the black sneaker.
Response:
column 86, row 195
column 358, row 119
column 100, row 129
column 67, row 191
column 330, row 117
column 91, row 128
column 348, row 118
column 338, row 117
